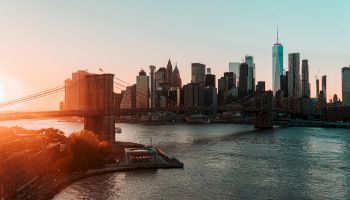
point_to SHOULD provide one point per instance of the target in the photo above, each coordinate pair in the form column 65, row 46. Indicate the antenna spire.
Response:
column 277, row 34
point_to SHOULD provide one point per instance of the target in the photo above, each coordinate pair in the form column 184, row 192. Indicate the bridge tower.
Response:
column 263, row 110
column 99, row 116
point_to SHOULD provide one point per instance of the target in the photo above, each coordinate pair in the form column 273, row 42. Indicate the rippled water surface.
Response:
column 229, row 162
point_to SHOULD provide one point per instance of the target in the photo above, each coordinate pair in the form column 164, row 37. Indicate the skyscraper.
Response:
column 324, row 86
column 234, row 67
column 294, row 89
column 198, row 73
column 153, row 85
column 169, row 76
column 176, row 79
column 305, row 79
column 142, row 89
column 209, row 79
column 277, row 65
column 317, row 88
column 345, row 77
column 251, row 73
column 243, row 80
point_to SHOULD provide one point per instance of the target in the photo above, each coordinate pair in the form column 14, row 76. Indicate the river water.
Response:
column 225, row 161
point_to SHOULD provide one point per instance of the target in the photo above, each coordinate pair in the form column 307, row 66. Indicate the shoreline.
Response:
column 96, row 172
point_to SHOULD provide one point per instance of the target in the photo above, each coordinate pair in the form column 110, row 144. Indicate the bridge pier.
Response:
column 262, row 104
column 100, row 106
column 263, row 120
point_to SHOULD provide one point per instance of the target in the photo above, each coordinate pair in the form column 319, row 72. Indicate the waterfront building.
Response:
column 243, row 80
column 230, row 80
column 346, row 85
column 198, row 73
column 251, row 73
column 193, row 95
column 142, row 90
column 210, row 79
column 260, row 87
column 277, row 65
column 234, row 67
column 305, row 85
column 176, row 79
column 160, row 77
column 324, row 86
column 294, row 89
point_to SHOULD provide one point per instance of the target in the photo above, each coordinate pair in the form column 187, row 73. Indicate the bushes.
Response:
column 86, row 151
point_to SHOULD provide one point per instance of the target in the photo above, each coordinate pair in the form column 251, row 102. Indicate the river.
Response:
column 225, row 161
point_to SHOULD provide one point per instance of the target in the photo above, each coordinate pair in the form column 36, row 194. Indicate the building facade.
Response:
column 251, row 73
column 198, row 73
column 324, row 86
column 305, row 85
column 346, row 85
column 142, row 90
column 277, row 66
column 294, row 88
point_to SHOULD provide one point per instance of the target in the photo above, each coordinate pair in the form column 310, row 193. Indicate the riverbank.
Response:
column 59, row 182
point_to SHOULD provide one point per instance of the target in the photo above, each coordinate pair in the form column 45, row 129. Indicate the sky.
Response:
column 42, row 42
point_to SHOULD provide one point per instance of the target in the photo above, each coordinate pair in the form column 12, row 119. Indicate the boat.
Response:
column 118, row 130
column 198, row 119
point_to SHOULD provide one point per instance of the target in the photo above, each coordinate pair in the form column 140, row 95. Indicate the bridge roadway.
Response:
column 117, row 112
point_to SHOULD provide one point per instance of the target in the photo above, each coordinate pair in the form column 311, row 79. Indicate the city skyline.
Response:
column 51, row 46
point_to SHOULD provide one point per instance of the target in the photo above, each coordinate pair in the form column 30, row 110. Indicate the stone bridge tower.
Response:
column 100, row 106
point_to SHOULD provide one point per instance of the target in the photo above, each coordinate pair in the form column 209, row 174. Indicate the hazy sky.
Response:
column 42, row 42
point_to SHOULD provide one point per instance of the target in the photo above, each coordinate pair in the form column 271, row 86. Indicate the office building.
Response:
column 142, row 90
column 129, row 98
column 193, row 95
column 324, row 86
column 277, row 65
column 234, row 67
column 169, row 69
column 176, row 78
column 251, row 73
column 346, row 85
column 75, row 91
column 305, row 85
column 284, row 85
column 243, row 80
column 210, row 79
column 198, row 73
column 260, row 87
column 317, row 88
column 153, row 86
column 294, row 88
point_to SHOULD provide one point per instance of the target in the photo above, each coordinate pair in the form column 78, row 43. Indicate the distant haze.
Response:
column 42, row 42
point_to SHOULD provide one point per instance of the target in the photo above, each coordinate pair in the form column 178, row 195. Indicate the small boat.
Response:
column 118, row 130
column 198, row 119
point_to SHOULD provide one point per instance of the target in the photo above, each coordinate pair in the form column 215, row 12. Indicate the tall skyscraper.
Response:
column 305, row 79
column 243, row 80
column 209, row 79
column 169, row 76
column 153, row 86
column 142, row 90
column 284, row 84
column 251, row 73
column 317, row 88
column 176, row 79
column 294, row 89
column 277, row 65
column 324, row 86
column 345, row 77
column 234, row 67
column 198, row 73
